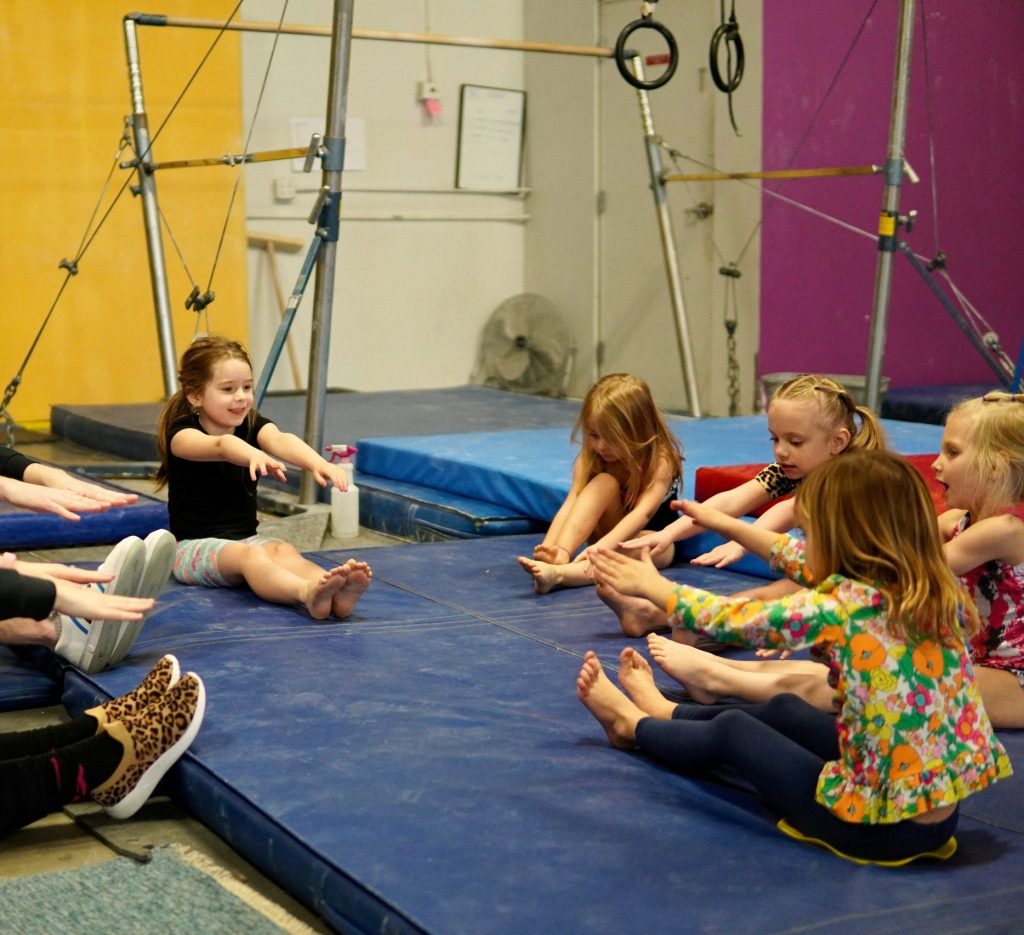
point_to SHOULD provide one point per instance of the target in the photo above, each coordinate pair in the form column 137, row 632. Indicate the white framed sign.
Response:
column 491, row 122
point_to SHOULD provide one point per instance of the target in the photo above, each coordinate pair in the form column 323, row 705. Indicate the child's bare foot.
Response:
column 637, row 615
column 637, row 678
column 613, row 710
column 693, row 667
column 552, row 554
column 359, row 577
column 320, row 593
column 546, row 577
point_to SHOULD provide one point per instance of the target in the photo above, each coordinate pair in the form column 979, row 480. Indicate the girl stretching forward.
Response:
column 881, row 779
column 624, row 477
column 981, row 465
column 811, row 419
column 214, row 447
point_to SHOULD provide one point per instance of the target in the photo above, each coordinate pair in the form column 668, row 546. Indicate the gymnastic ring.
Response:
column 621, row 54
column 729, row 31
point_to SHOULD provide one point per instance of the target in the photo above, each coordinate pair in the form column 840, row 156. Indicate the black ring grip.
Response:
column 622, row 54
column 730, row 32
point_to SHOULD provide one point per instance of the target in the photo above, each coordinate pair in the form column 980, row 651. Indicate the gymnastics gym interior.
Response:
column 435, row 224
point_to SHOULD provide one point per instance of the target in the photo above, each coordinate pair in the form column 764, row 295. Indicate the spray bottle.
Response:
column 344, row 503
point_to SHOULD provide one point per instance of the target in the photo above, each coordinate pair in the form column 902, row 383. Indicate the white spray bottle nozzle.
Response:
column 340, row 453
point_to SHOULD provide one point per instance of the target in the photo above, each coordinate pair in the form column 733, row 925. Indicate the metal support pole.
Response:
column 150, row 214
column 668, row 244
column 889, row 220
column 333, row 161
column 286, row 321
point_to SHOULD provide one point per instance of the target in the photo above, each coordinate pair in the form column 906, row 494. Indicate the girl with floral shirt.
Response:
column 881, row 778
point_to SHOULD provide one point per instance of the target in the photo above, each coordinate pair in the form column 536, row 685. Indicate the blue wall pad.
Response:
column 23, row 684
column 930, row 403
column 22, row 529
column 426, row 767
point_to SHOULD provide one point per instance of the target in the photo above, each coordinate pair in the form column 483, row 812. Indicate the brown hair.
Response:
column 196, row 370
column 621, row 407
column 837, row 408
column 870, row 518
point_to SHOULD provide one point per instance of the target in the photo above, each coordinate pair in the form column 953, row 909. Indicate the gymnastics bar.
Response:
column 772, row 174
column 156, row 19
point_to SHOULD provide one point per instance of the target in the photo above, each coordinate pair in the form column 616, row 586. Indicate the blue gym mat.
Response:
column 23, row 529
column 426, row 767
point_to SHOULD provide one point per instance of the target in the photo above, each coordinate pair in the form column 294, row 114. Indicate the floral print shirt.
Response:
column 997, row 589
column 912, row 732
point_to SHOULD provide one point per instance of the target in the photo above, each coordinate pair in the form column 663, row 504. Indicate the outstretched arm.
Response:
column 46, row 475
column 753, row 538
column 64, row 503
column 735, row 502
column 193, row 445
column 781, row 517
column 294, row 450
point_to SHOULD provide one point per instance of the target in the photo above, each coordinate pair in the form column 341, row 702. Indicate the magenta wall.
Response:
column 817, row 280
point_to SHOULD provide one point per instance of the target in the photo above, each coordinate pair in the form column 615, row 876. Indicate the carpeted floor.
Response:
column 178, row 891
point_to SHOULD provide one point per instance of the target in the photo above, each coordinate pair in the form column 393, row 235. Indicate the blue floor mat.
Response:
column 22, row 529
column 426, row 767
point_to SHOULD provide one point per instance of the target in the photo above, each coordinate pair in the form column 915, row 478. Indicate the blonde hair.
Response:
column 837, row 409
column 870, row 518
column 996, row 440
column 196, row 371
column 621, row 408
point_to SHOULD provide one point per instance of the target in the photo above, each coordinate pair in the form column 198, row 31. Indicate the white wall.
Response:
column 412, row 296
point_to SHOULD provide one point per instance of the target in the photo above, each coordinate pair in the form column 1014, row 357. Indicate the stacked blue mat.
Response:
column 426, row 767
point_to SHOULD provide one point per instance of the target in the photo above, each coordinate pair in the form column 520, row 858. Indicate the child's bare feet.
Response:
column 637, row 678
column 693, row 667
column 637, row 615
column 359, row 577
column 552, row 554
column 546, row 577
column 321, row 592
column 613, row 710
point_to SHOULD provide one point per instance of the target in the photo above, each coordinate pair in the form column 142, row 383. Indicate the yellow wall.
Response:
column 66, row 94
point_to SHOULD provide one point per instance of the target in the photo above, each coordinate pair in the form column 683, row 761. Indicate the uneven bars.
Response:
column 772, row 174
column 156, row 19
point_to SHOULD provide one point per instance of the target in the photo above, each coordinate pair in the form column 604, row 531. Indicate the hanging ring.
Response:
column 730, row 32
column 622, row 54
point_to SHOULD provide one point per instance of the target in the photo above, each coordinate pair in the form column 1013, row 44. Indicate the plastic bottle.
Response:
column 344, row 503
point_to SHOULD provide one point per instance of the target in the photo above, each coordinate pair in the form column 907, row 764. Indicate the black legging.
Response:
column 43, row 770
column 780, row 748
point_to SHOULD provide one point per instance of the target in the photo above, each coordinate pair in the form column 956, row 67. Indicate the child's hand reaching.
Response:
column 78, row 601
column 331, row 474
column 721, row 555
column 55, row 571
column 654, row 542
column 630, row 576
column 261, row 464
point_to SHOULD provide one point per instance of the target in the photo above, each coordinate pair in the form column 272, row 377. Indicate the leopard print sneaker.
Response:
column 153, row 741
column 151, row 689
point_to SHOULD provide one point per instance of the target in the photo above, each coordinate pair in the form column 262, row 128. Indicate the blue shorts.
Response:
column 196, row 561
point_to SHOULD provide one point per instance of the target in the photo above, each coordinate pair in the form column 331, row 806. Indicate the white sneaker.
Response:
column 161, row 551
column 126, row 561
